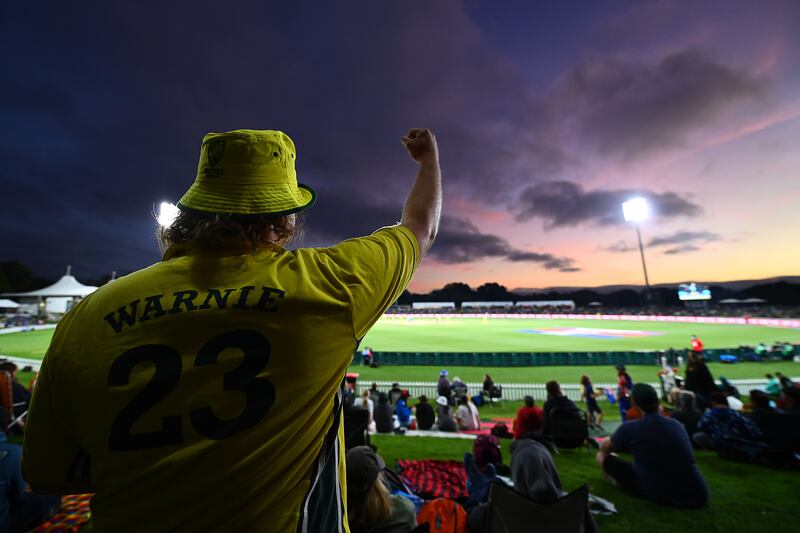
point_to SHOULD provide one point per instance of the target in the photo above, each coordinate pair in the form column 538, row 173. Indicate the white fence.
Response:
column 518, row 391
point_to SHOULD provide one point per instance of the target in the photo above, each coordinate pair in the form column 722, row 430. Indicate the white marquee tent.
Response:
column 58, row 297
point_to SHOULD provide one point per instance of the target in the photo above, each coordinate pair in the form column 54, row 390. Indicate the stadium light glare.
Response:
column 636, row 210
column 167, row 214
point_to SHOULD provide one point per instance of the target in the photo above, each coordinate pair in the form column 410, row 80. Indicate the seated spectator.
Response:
column 444, row 420
column 465, row 417
column 487, row 385
column 370, row 506
column 395, row 393
column 425, row 414
column 529, row 418
column 21, row 396
column 475, row 414
column 365, row 403
column 781, row 430
column 402, row 410
column 785, row 382
column 687, row 413
column 373, row 393
column 773, row 387
column 384, row 421
column 459, row 388
column 556, row 400
column 729, row 432
column 663, row 469
column 19, row 510
column 790, row 400
column 486, row 450
column 534, row 475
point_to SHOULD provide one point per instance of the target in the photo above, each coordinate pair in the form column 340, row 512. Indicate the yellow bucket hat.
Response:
column 247, row 172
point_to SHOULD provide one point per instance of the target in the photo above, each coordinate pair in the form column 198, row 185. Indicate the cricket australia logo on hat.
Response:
column 215, row 149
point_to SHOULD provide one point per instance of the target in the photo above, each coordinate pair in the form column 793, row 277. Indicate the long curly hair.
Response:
column 240, row 234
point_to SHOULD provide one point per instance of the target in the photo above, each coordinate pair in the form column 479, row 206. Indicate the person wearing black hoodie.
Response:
column 534, row 475
column 556, row 400
column 424, row 413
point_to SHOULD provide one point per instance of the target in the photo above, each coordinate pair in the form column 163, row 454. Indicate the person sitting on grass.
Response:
column 444, row 420
column 533, row 473
column 370, row 506
column 699, row 379
column 384, row 421
column 790, row 400
column 529, row 418
column 556, row 400
column 729, row 432
column 687, row 413
column 773, row 386
column 424, row 413
column 781, row 430
column 20, row 395
column 663, row 469
column 19, row 509
column 590, row 397
column 465, row 417
column 402, row 410
column 785, row 382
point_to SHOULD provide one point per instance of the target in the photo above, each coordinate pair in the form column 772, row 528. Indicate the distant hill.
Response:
column 736, row 285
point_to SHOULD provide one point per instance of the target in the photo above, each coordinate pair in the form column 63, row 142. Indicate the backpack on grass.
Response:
column 443, row 516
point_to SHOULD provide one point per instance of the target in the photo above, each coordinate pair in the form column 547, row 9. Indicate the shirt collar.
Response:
column 190, row 248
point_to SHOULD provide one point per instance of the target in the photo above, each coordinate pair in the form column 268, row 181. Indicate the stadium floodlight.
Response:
column 636, row 210
column 167, row 214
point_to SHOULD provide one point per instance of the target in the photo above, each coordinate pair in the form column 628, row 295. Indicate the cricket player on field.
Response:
column 203, row 393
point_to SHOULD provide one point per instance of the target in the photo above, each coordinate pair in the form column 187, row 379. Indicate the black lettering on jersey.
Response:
column 267, row 298
column 152, row 305
column 220, row 299
column 185, row 298
column 123, row 317
column 244, row 293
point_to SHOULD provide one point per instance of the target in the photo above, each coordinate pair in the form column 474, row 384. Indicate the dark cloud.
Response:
column 632, row 108
column 620, row 246
column 682, row 249
column 685, row 236
column 566, row 203
column 460, row 241
column 680, row 242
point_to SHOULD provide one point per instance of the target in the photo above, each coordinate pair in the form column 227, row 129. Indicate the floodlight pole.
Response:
column 644, row 265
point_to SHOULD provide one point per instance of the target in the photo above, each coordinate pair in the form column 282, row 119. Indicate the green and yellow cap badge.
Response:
column 247, row 172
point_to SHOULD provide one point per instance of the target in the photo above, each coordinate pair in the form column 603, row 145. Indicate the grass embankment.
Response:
column 744, row 497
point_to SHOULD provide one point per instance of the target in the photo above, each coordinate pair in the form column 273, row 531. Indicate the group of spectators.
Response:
column 390, row 412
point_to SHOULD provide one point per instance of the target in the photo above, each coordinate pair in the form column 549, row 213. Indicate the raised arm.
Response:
column 423, row 206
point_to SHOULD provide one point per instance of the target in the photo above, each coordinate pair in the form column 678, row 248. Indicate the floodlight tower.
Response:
column 637, row 210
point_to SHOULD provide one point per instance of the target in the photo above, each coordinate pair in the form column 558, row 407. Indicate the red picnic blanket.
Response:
column 433, row 478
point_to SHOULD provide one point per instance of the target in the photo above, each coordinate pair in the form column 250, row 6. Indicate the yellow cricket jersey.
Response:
column 204, row 393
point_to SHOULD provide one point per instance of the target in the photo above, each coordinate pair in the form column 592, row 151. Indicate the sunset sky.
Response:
column 548, row 116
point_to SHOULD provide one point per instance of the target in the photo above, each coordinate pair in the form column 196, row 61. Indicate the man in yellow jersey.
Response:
column 204, row 393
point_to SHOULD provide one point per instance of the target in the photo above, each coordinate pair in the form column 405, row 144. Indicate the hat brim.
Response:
column 246, row 200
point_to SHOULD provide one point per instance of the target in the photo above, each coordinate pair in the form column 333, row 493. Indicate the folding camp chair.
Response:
column 7, row 402
column 510, row 512
column 568, row 430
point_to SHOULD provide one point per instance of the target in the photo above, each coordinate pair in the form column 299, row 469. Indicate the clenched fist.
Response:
column 421, row 145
